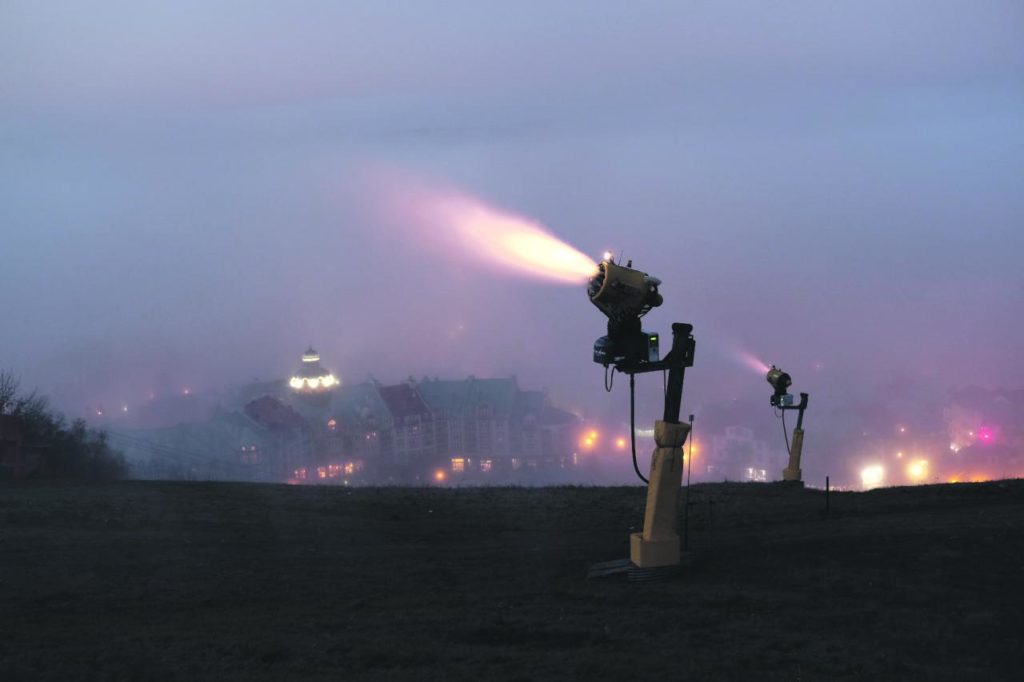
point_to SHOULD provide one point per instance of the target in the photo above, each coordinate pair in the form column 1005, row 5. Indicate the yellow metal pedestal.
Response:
column 792, row 472
column 658, row 545
column 651, row 553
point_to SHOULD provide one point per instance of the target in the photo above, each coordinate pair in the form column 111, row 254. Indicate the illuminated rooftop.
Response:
column 311, row 376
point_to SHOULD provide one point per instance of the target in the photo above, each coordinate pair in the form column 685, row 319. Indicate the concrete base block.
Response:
column 652, row 553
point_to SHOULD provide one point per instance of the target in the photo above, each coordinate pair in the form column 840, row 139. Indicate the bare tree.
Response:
column 72, row 450
column 8, row 390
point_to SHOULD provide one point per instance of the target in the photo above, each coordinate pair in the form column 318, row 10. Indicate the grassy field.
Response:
column 147, row 580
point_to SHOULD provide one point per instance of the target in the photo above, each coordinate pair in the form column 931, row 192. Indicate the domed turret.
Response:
column 311, row 376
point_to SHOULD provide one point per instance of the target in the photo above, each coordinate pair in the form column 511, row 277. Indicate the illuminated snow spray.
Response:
column 457, row 224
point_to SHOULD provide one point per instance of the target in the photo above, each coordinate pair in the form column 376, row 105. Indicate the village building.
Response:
column 736, row 455
column 228, row 446
column 491, row 425
column 411, row 444
column 311, row 428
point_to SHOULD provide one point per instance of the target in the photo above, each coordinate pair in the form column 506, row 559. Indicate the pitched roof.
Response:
column 466, row 395
column 530, row 403
column 251, row 391
column 357, row 402
column 553, row 416
column 274, row 414
column 207, row 442
column 402, row 400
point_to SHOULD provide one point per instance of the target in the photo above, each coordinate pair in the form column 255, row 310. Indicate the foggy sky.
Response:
column 182, row 189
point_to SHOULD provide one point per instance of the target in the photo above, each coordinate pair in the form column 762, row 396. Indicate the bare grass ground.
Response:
column 153, row 580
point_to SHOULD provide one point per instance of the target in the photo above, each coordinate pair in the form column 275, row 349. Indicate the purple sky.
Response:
column 182, row 188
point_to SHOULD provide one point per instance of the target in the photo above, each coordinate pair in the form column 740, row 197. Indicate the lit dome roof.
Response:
column 311, row 376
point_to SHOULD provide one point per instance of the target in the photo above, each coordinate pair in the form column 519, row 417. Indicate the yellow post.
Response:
column 658, row 545
column 792, row 472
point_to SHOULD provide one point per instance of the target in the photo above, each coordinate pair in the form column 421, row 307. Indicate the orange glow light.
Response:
column 439, row 475
column 620, row 443
column 917, row 470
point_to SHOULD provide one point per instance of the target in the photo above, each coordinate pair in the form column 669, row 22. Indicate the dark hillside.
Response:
column 221, row 581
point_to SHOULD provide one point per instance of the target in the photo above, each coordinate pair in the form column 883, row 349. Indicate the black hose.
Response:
column 785, row 433
column 632, row 424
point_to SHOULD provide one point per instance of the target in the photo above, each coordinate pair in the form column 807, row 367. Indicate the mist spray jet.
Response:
column 455, row 223
column 750, row 361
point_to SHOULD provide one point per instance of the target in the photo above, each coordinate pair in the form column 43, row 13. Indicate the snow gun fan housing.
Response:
column 624, row 295
column 780, row 381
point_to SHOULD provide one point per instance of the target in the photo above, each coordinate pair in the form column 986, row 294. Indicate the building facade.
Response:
column 312, row 429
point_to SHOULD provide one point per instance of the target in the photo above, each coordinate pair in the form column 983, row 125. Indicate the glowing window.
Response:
column 332, row 424
column 458, row 464
column 486, row 465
